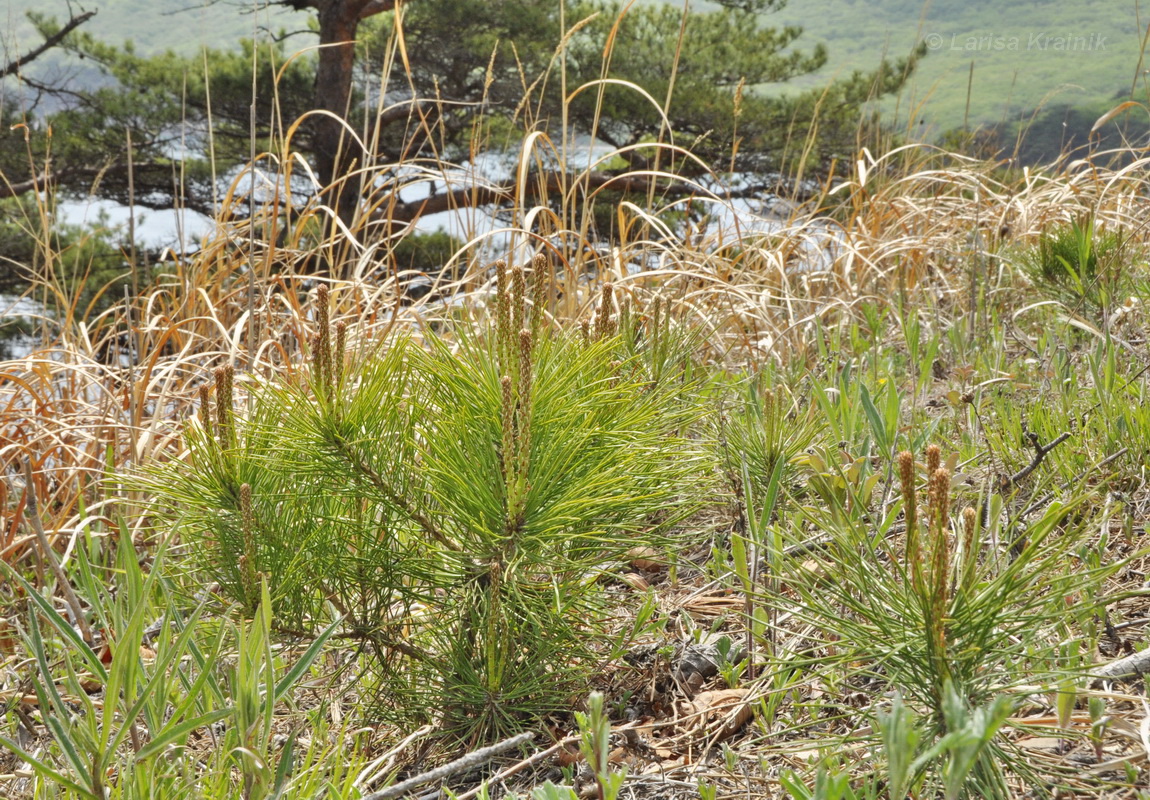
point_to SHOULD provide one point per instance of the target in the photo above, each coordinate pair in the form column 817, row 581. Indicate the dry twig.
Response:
column 469, row 761
column 1040, row 453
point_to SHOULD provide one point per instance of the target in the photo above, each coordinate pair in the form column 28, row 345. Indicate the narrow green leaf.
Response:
column 37, row 642
column 773, row 486
column 67, row 745
column 61, row 624
column 1067, row 698
column 94, row 593
column 159, row 673
column 169, row 735
column 283, row 769
column 877, row 425
column 53, row 776
column 305, row 661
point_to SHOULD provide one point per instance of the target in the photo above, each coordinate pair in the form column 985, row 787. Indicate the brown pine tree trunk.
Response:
column 336, row 154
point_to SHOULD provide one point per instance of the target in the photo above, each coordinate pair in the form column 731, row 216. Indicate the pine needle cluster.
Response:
column 949, row 619
column 454, row 499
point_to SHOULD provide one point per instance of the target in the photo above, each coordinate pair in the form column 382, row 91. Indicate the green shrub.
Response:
column 425, row 252
column 953, row 619
column 764, row 430
column 455, row 500
column 1087, row 269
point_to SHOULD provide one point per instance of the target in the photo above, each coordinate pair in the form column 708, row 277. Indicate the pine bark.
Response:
column 336, row 154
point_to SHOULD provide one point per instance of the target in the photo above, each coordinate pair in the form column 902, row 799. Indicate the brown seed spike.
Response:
column 323, row 357
column 525, row 366
column 518, row 298
column 906, row 470
column 340, row 350
column 503, row 316
column 246, row 507
column 910, row 508
column 525, row 376
column 502, row 302
column 969, row 539
column 603, row 320
column 508, row 421
column 205, row 408
column 225, row 404
column 969, row 521
column 540, row 276
column 940, row 497
column 656, row 324
column 933, row 459
column 940, row 537
column 525, row 342
column 907, row 482
column 969, row 531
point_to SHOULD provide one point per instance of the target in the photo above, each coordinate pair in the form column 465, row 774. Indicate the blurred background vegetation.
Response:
column 159, row 106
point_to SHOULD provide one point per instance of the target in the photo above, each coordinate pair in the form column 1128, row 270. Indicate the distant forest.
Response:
column 1054, row 97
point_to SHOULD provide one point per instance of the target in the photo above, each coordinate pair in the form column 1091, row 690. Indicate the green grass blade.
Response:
column 53, row 776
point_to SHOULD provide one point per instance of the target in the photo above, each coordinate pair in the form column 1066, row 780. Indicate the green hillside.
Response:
column 1067, row 60
column 1026, row 53
column 157, row 25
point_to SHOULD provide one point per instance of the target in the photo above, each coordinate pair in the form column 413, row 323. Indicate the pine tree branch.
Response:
column 13, row 66
column 33, row 184
column 373, row 7
column 488, row 195
column 392, row 496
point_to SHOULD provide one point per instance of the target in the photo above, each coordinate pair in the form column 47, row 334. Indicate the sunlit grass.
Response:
column 788, row 362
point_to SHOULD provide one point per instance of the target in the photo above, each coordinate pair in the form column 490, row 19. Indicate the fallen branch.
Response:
column 1040, row 453
column 540, row 186
column 370, row 774
column 1063, row 487
column 480, row 195
column 1131, row 666
column 627, row 730
column 519, row 766
column 469, row 761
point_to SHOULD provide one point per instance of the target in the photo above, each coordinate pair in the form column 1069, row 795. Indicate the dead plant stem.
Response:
column 33, row 517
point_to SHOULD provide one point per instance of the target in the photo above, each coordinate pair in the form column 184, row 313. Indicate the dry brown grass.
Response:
column 925, row 228
column 105, row 393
